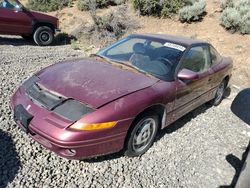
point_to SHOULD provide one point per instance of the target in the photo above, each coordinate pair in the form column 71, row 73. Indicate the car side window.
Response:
column 197, row 59
column 215, row 56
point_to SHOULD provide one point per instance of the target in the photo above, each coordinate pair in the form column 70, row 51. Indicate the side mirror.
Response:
column 186, row 74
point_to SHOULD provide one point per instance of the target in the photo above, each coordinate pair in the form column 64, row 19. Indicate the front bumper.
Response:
column 80, row 150
column 52, row 132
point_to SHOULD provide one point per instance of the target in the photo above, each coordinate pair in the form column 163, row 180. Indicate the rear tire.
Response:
column 219, row 93
column 142, row 135
column 43, row 36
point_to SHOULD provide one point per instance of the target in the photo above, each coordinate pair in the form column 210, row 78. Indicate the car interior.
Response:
column 157, row 60
column 154, row 65
column 195, row 60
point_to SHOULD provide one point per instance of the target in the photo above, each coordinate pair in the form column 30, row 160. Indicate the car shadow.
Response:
column 9, row 159
column 103, row 158
column 60, row 39
column 227, row 92
column 241, row 108
column 188, row 117
column 183, row 120
column 237, row 164
column 15, row 41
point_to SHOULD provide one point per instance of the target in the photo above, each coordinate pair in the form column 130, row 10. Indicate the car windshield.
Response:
column 154, row 56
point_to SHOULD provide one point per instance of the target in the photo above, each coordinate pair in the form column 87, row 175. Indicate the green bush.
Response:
column 164, row 8
column 193, row 12
column 109, row 28
column 171, row 7
column 47, row 5
column 85, row 4
column 226, row 3
column 230, row 18
column 236, row 16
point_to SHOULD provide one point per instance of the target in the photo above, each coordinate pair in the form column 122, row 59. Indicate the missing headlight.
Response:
column 72, row 110
column 43, row 97
column 29, row 82
column 67, row 108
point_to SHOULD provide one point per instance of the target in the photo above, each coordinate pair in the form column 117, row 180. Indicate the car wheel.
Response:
column 43, row 36
column 142, row 136
column 219, row 93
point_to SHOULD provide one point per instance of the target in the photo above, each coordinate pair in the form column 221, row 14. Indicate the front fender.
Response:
column 129, row 106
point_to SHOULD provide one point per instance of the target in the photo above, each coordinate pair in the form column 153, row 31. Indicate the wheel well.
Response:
column 155, row 109
column 39, row 24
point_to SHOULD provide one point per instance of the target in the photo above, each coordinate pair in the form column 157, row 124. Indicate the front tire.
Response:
column 43, row 36
column 142, row 135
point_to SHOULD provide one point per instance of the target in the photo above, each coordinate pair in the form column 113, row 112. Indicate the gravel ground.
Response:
column 190, row 153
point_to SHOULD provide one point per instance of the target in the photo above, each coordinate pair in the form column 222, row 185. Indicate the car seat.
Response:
column 138, row 58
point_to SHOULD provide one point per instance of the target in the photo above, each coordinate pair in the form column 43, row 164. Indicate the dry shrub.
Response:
column 48, row 5
column 109, row 28
column 236, row 15
column 194, row 12
column 161, row 8
column 84, row 5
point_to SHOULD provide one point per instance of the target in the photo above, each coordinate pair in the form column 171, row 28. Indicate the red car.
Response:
column 120, row 97
column 15, row 19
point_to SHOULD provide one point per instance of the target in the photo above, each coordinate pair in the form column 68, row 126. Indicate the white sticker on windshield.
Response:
column 175, row 46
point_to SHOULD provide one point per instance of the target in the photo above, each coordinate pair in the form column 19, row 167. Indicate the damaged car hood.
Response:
column 93, row 82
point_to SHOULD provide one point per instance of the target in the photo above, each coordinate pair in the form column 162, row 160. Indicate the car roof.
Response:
column 185, row 41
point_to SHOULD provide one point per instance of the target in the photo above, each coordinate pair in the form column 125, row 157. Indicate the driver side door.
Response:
column 192, row 93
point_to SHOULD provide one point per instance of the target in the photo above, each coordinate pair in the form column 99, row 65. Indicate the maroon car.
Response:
column 120, row 97
column 15, row 19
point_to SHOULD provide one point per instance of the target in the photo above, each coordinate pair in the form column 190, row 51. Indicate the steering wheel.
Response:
column 165, row 60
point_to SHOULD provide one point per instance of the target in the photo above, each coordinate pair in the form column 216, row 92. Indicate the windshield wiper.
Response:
column 97, row 55
column 127, row 63
column 102, row 57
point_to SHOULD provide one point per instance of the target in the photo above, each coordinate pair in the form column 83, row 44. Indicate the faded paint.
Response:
column 93, row 82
